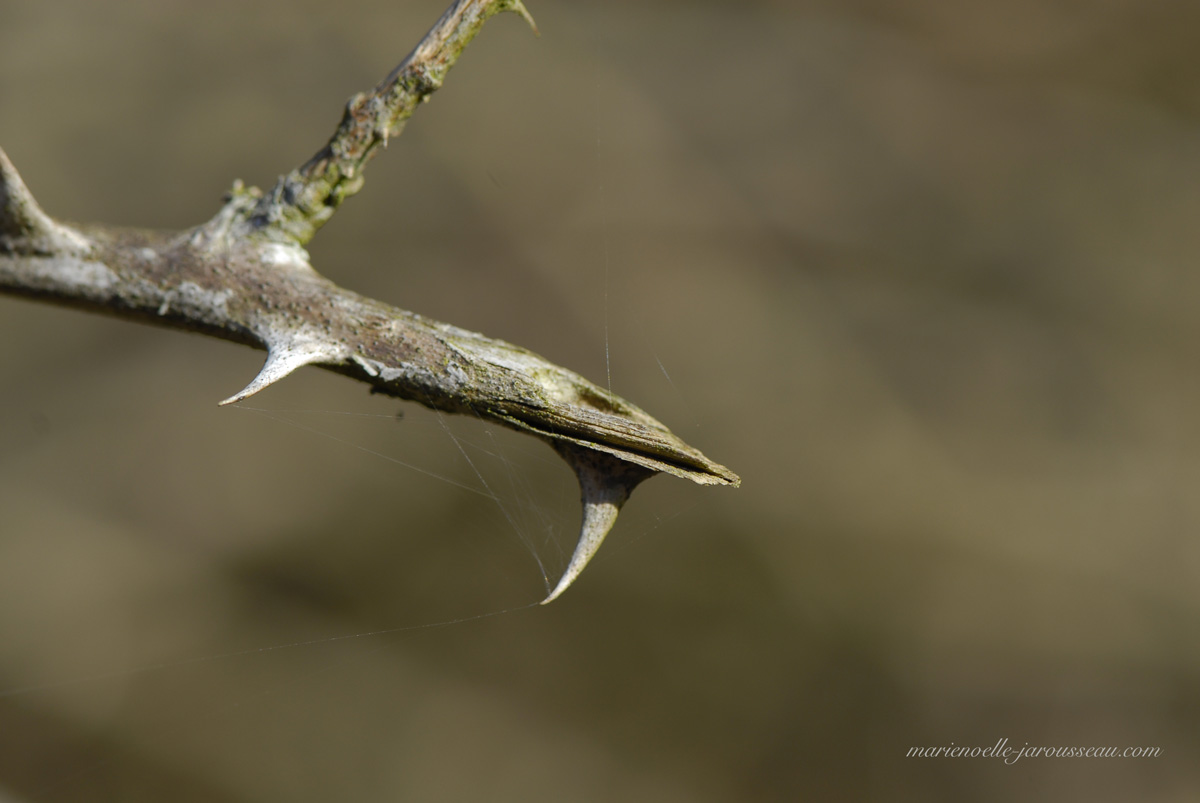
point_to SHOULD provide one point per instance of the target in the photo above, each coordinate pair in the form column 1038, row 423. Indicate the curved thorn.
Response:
column 19, row 212
column 605, row 482
column 600, row 510
column 519, row 7
column 22, row 219
column 281, row 361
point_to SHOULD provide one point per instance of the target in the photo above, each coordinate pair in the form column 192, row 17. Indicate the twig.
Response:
column 245, row 276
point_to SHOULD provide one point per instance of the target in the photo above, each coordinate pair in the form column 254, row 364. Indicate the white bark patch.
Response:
column 409, row 372
column 84, row 276
column 191, row 296
column 391, row 374
column 456, row 373
column 370, row 366
column 279, row 255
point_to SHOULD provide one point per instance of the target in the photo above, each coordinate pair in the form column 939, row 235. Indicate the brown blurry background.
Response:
column 923, row 273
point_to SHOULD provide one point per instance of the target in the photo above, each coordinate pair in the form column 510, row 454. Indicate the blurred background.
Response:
column 923, row 273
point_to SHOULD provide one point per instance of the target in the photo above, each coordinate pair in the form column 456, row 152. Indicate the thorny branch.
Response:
column 245, row 276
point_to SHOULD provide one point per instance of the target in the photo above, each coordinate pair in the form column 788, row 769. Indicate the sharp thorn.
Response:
column 22, row 221
column 519, row 7
column 605, row 483
column 280, row 362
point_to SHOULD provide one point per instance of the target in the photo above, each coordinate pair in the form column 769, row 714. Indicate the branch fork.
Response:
column 245, row 276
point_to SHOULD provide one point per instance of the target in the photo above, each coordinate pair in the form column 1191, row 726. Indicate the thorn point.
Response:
column 605, row 483
column 280, row 362
column 519, row 7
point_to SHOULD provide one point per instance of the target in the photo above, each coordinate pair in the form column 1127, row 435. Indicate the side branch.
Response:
column 302, row 201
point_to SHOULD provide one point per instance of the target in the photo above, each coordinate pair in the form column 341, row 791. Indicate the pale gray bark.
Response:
column 245, row 276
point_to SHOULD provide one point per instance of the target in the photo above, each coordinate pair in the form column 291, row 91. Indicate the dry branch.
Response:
column 245, row 276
